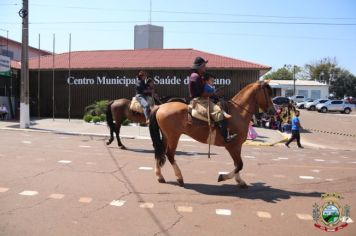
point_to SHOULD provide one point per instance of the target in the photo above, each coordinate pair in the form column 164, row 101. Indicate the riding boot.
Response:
column 223, row 131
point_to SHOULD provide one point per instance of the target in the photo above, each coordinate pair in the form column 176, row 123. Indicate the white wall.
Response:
column 324, row 90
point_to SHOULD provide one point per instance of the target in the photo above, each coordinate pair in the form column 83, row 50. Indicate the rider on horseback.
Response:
column 143, row 92
column 197, row 93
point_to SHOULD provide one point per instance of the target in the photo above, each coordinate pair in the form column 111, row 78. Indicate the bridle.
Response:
column 248, row 111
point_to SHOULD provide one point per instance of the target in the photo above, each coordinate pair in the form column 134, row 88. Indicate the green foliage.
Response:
column 87, row 118
column 97, row 109
column 126, row 122
column 284, row 73
column 342, row 82
column 96, row 119
column 103, row 117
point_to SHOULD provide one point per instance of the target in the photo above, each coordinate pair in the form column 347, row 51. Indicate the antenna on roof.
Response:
column 150, row 13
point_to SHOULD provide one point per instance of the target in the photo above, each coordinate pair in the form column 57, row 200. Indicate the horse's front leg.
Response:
column 235, row 153
column 158, row 172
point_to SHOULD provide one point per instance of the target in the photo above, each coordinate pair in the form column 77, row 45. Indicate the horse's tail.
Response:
column 109, row 119
column 157, row 141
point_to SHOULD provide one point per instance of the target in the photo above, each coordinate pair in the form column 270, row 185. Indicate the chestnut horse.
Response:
column 119, row 110
column 172, row 120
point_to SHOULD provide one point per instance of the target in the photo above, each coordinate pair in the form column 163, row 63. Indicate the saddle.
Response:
column 136, row 107
column 198, row 108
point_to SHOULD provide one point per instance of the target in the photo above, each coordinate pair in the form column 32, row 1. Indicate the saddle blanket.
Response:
column 136, row 106
column 199, row 109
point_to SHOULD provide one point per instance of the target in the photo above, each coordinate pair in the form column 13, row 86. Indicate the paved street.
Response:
column 55, row 184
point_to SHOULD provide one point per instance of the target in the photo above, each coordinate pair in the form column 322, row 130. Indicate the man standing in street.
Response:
column 295, row 130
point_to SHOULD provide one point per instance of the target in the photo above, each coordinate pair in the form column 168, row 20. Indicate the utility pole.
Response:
column 293, row 80
column 24, row 99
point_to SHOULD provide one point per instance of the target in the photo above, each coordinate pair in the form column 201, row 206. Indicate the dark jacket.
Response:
column 143, row 88
column 196, row 85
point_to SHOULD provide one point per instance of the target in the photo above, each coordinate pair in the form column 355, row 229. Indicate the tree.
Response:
column 342, row 82
column 284, row 73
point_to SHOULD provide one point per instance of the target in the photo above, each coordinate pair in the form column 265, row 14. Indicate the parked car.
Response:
column 280, row 100
column 297, row 98
column 301, row 105
column 311, row 105
column 335, row 105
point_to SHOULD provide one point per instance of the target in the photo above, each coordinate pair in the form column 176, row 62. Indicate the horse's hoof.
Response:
column 243, row 186
column 162, row 181
column 221, row 178
column 122, row 147
column 180, row 182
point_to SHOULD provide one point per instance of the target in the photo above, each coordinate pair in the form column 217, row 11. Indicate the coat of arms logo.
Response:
column 331, row 216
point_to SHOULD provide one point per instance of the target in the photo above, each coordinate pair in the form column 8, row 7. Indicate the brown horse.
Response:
column 172, row 120
column 119, row 110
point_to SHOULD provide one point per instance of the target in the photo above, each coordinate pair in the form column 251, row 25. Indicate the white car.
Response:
column 301, row 105
column 297, row 98
column 311, row 105
column 335, row 105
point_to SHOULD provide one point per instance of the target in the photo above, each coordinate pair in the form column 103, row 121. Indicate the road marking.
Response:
column 3, row 190
column 279, row 176
column 56, row 196
column 26, row 142
column 145, row 168
column 223, row 212
column 329, row 180
column 223, row 173
column 282, row 213
column 28, row 193
column 117, row 203
column 84, row 146
column 275, row 159
column 64, row 161
column 85, row 200
column 283, row 158
column 316, row 171
column 304, row 216
column 319, row 160
column 250, row 157
column 264, row 214
column 185, row 209
column 146, row 205
column 306, row 177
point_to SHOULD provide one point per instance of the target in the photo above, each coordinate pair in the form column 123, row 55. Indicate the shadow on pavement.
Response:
column 256, row 191
column 178, row 153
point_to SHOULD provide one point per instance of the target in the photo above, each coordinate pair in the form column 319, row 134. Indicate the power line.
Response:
column 198, row 13
column 202, row 21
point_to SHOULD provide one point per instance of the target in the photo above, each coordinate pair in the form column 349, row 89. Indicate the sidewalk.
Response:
column 266, row 137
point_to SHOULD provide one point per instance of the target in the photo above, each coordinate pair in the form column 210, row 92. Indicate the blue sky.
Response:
column 229, row 32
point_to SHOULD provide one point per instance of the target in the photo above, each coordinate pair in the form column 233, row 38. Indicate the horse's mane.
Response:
column 243, row 91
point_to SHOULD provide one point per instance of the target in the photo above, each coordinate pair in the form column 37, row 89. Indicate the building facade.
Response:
column 64, row 89
column 307, row 88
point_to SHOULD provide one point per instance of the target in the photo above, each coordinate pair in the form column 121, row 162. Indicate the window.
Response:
column 303, row 93
column 336, row 102
column 316, row 94
column 289, row 93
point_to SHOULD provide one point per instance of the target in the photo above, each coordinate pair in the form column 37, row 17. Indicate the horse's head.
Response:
column 264, row 97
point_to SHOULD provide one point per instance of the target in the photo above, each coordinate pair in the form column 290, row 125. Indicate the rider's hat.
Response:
column 198, row 63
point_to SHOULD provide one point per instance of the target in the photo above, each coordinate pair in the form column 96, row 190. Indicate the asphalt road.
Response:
column 53, row 184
